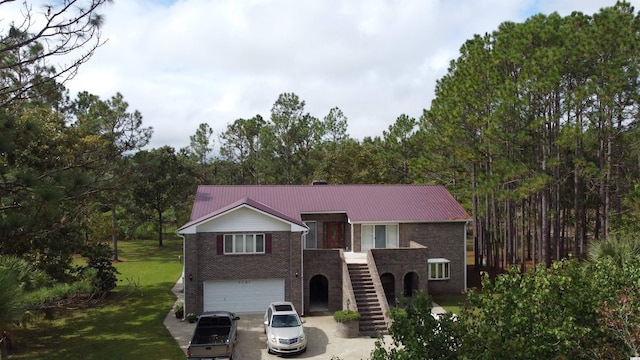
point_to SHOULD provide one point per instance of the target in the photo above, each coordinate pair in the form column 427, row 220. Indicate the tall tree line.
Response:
column 534, row 130
column 541, row 120
column 292, row 146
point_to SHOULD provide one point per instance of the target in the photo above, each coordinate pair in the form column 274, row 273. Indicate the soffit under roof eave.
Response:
column 187, row 230
column 366, row 222
column 298, row 228
column 193, row 228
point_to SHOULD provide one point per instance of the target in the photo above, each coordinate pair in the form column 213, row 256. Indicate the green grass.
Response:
column 127, row 325
column 450, row 303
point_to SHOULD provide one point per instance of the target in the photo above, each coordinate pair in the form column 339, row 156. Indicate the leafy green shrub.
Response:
column 571, row 310
column 417, row 334
column 342, row 316
column 178, row 307
column 28, row 278
column 99, row 258
column 192, row 317
column 11, row 297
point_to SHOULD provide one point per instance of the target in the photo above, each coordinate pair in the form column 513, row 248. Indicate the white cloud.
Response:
column 184, row 62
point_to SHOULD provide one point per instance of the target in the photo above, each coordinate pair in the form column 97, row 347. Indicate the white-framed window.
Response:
column 244, row 243
column 379, row 236
column 311, row 239
column 439, row 269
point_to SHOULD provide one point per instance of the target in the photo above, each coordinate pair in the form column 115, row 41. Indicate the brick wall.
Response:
column 203, row 263
column 402, row 262
column 443, row 240
column 377, row 284
column 325, row 262
column 433, row 240
column 348, row 296
column 190, row 270
column 357, row 236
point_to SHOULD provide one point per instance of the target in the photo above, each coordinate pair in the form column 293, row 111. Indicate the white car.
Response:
column 283, row 326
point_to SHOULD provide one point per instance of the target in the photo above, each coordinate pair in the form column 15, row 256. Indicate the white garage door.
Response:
column 242, row 295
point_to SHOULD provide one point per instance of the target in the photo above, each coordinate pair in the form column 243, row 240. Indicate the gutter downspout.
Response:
column 466, row 223
column 302, row 239
column 353, row 242
column 184, row 283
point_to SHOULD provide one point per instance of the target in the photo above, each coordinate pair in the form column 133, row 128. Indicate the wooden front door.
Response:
column 334, row 235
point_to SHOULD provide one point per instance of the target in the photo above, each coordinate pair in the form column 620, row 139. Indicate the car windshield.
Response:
column 280, row 321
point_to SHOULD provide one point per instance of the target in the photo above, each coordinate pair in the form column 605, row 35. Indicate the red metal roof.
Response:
column 361, row 203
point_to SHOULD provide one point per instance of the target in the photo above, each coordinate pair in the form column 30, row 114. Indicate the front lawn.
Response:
column 451, row 303
column 127, row 325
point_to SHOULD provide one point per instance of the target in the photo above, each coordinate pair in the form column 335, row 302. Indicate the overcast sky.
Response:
column 186, row 62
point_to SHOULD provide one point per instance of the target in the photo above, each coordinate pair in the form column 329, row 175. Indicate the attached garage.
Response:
column 245, row 295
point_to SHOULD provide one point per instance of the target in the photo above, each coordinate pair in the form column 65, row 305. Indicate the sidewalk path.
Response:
column 437, row 309
column 181, row 330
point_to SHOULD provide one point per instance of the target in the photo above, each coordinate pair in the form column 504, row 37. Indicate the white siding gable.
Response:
column 244, row 219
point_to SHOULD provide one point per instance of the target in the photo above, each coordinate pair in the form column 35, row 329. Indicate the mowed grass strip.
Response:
column 451, row 303
column 127, row 325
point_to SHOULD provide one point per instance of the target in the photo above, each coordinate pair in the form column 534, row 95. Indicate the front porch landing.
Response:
column 355, row 257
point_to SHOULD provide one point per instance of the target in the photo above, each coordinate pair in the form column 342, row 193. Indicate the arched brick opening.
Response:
column 389, row 285
column 411, row 284
column 319, row 293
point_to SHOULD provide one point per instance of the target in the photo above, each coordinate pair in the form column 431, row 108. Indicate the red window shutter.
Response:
column 267, row 243
column 220, row 244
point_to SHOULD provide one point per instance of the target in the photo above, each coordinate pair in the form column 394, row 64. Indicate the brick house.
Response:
column 323, row 247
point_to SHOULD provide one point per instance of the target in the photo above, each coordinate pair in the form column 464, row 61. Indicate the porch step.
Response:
column 372, row 319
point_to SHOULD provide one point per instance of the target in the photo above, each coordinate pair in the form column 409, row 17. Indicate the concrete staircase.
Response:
column 372, row 319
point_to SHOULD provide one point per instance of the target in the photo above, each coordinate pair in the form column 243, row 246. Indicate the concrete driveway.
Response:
column 322, row 342
column 251, row 344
